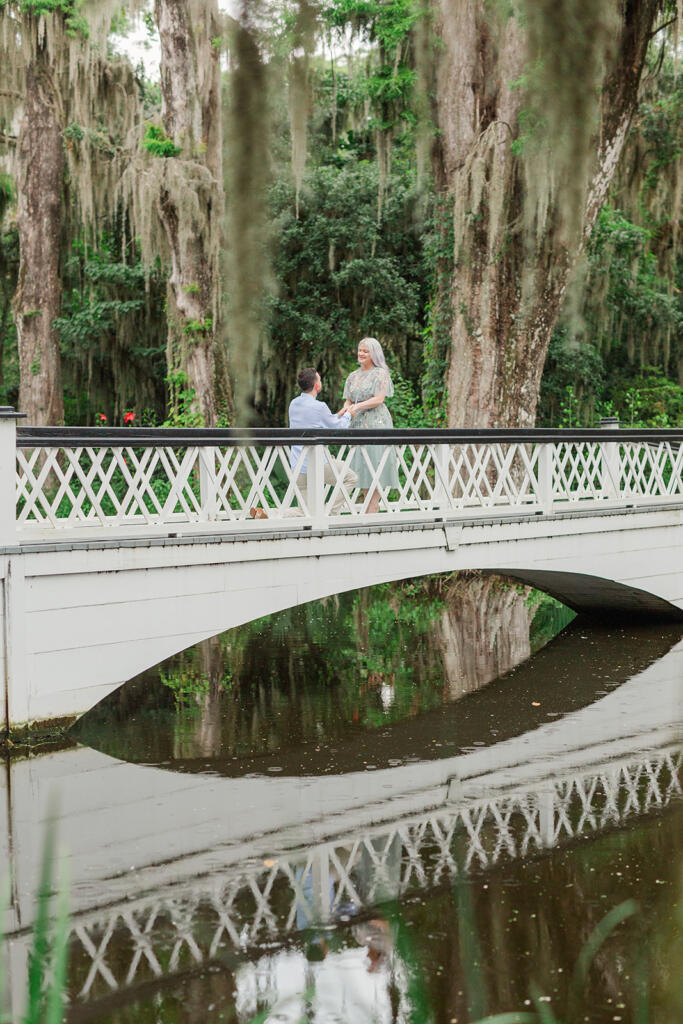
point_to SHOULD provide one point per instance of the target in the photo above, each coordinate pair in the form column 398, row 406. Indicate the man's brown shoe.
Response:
column 258, row 513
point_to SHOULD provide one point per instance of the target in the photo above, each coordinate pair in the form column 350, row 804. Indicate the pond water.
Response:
column 408, row 804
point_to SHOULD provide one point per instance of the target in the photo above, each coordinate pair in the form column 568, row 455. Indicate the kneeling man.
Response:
column 307, row 413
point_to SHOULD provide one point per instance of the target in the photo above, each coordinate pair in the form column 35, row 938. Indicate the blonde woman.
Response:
column 365, row 392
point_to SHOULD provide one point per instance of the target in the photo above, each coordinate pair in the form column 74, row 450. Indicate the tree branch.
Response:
column 661, row 28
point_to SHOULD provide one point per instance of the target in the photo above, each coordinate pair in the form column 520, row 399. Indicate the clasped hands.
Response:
column 347, row 407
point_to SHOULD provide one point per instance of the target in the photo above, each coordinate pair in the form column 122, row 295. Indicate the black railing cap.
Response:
column 8, row 412
column 179, row 437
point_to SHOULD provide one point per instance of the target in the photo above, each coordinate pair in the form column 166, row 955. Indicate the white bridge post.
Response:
column 208, row 495
column 8, row 475
column 13, row 682
column 546, row 815
column 611, row 469
column 546, row 462
column 321, row 885
column 442, row 491
column 315, row 485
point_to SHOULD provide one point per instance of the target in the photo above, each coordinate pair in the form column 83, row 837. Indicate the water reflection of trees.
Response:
column 357, row 661
column 531, row 921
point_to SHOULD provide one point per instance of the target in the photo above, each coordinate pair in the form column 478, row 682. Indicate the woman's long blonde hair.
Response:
column 377, row 355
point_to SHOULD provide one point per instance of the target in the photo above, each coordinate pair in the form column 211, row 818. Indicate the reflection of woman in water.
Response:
column 365, row 391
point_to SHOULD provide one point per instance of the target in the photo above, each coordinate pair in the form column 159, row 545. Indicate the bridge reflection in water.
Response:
column 266, row 901
column 181, row 875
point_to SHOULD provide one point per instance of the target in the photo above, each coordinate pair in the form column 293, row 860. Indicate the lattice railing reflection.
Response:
column 265, row 900
column 149, row 481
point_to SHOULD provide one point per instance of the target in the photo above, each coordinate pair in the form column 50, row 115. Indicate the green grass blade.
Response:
column 509, row 1018
column 545, row 1014
column 418, row 993
column 592, row 945
column 41, row 930
column 60, row 948
column 4, row 904
column 260, row 1017
column 641, row 987
column 471, row 955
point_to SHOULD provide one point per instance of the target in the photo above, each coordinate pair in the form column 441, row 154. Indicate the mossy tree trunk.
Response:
column 483, row 632
column 40, row 177
column 522, row 212
column 190, row 203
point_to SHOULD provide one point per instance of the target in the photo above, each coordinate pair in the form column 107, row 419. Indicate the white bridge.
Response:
column 121, row 547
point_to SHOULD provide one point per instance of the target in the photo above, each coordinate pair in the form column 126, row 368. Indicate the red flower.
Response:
column 128, row 417
column 103, row 418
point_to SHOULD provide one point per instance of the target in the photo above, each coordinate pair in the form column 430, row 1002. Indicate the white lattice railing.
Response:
column 79, row 477
column 264, row 901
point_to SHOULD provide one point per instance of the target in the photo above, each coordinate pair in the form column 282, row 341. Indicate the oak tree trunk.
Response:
column 40, row 163
column 191, row 198
column 511, row 264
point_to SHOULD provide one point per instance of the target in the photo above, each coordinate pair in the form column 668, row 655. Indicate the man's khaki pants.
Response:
column 334, row 470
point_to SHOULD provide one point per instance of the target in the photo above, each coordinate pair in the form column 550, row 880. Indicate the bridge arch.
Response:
column 80, row 620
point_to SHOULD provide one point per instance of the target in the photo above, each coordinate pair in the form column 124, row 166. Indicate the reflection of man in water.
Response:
column 278, row 982
column 336, row 981
column 343, row 877
column 349, row 985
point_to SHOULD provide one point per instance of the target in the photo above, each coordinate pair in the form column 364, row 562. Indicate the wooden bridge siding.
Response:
column 79, row 623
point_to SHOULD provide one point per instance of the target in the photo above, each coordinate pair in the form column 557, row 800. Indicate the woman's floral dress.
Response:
column 361, row 385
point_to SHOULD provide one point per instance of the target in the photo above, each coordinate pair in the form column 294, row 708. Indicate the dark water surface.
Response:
column 405, row 805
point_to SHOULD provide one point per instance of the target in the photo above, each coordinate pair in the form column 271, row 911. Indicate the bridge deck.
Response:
column 37, row 538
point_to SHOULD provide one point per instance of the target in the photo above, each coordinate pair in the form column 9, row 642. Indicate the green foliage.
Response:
column 621, row 352
column 577, row 391
column 621, row 250
column 407, row 410
column 7, row 193
column 70, row 10
column 659, row 120
column 342, row 275
column 198, row 328
column 187, row 686
column 573, row 381
column 112, row 332
column 9, row 357
column 149, row 23
column 439, row 248
column 550, row 617
column 157, row 142
column 647, row 399
column 182, row 403
column 75, row 132
column 374, row 638
column 389, row 78
column 150, row 93
column 530, row 133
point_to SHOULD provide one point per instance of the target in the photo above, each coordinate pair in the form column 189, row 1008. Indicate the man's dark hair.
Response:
column 306, row 378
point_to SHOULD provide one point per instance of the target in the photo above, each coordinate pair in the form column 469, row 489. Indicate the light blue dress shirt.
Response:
column 306, row 412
